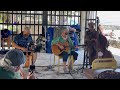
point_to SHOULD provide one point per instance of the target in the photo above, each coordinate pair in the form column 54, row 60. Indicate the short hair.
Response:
column 5, row 30
column 64, row 29
column 58, row 31
column 26, row 28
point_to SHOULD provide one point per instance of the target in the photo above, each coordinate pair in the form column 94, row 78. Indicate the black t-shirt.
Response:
column 91, row 34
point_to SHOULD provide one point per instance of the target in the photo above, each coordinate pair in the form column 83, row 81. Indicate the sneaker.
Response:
column 3, row 49
column 65, row 70
column 8, row 49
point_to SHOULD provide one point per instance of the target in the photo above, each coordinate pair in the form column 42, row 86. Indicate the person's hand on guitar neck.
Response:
column 60, row 46
column 76, row 47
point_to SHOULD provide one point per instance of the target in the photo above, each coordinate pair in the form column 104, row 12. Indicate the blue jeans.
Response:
column 65, row 55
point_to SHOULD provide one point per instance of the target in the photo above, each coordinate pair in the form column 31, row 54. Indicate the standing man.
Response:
column 6, row 37
column 91, row 38
column 21, row 42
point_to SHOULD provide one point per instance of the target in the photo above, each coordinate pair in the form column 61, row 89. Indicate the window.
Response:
column 17, row 20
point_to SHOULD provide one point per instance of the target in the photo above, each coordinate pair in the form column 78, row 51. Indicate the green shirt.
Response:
column 61, row 40
column 8, row 74
column 17, row 75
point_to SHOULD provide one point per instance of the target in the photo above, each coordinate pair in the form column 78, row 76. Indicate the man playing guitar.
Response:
column 61, row 47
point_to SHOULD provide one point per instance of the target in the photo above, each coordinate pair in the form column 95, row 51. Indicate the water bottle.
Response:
column 48, row 38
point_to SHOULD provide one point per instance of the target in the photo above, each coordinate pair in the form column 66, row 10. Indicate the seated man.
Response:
column 10, row 65
column 6, row 37
column 21, row 42
column 63, row 39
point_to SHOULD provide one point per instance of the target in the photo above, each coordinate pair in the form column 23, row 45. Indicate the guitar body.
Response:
column 56, row 50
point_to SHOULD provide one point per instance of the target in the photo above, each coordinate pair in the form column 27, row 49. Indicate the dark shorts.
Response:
column 5, row 39
column 65, row 55
column 28, row 53
column 25, row 53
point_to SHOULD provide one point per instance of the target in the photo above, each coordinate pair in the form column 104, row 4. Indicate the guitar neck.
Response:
column 74, row 46
column 82, row 45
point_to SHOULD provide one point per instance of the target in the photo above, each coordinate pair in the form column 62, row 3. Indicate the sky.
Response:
column 109, row 17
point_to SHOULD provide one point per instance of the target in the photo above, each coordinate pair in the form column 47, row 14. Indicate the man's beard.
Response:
column 26, row 35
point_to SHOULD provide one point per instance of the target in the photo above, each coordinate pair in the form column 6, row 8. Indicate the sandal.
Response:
column 65, row 70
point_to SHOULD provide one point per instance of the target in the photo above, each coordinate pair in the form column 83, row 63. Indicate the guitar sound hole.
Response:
column 62, row 49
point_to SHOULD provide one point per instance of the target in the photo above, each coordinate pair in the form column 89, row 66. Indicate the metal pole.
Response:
column 83, row 29
column 0, row 40
column 45, row 22
column 83, row 18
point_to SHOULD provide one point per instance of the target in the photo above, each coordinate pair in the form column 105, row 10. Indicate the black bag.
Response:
column 109, row 74
column 4, row 52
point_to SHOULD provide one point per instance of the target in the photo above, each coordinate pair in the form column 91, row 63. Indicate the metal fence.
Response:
column 37, row 20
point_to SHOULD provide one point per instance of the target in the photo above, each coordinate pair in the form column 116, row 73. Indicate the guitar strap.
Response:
column 68, row 41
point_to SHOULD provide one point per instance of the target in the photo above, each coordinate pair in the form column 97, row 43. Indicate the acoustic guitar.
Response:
column 56, row 49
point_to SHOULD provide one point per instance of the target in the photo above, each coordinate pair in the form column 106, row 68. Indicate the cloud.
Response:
column 109, row 17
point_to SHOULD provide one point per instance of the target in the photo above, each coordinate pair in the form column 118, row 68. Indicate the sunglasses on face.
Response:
column 26, row 35
column 66, row 33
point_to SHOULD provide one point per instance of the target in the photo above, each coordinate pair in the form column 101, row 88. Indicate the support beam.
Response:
column 45, row 15
column 0, row 40
column 61, row 18
column 83, row 19
column 45, row 23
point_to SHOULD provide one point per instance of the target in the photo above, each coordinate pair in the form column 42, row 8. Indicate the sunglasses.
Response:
column 26, row 35
column 66, row 33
